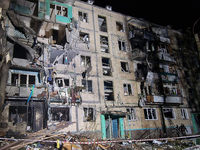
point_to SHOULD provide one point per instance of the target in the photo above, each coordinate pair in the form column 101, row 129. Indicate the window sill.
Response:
column 88, row 92
column 170, row 118
column 128, row 95
column 151, row 119
column 132, row 120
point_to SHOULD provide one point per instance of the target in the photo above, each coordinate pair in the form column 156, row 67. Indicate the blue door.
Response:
column 115, row 128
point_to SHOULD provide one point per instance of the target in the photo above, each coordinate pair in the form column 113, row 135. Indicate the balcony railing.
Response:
column 166, row 57
column 175, row 99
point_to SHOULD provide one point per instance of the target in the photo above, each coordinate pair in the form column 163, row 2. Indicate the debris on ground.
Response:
column 52, row 138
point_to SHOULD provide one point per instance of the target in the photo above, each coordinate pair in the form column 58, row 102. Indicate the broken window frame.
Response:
column 86, row 114
column 104, row 44
column 84, row 37
column 109, row 90
column 88, row 86
column 129, row 89
column 15, row 82
column 106, row 66
column 20, row 117
column 132, row 114
column 103, row 26
column 169, row 110
column 122, row 45
column 150, row 114
column 61, row 12
column 119, row 25
column 57, row 109
column 57, row 79
column 18, row 82
column 85, row 61
column 83, row 16
column 184, row 113
column 126, row 65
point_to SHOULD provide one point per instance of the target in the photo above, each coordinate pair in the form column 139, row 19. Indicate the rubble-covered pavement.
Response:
column 52, row 138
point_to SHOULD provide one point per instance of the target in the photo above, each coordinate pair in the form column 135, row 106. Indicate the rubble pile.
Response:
column 52, row 138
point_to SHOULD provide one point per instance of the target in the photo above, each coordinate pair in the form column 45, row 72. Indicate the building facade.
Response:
column 114, row 75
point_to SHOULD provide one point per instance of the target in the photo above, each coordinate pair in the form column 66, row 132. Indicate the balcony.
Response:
column 171, row 99
column 168, row 77
column 166, row 57
column 138, row 54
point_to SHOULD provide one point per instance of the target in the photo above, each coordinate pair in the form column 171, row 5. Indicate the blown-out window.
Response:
column 87, row 84
column 85, row 61
column 122, row 45
column 59, row 114
column 120, row 26
column 83, row 16
column 184, row 113
column 169, row 113
column 132, row 114
column 128, row 89
column 124, row 67
column 150, row 114
column 89, row 114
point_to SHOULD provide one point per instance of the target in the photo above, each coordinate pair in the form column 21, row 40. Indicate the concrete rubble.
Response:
column 52, row 138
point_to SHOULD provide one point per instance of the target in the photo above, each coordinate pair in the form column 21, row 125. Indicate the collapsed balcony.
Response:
column 167, row 77
column 138, row 54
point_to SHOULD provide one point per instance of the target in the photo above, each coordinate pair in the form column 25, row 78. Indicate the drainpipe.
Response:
column 129, row 127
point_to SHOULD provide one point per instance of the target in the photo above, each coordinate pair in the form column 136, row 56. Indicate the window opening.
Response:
column 150, row 113
column 87, row 85
column 169, row 113
column 88, row 114
column 66, row 81
column 184, row 114
column 122, row 45
column 106, row 66
column 23, row 79
column 104, row 44
column 83, row 16
column 59, row 114
column 120, row 26
column 14, row 79
column 31, row 80
column 59, row 82
column 108, row 90
column 18, row 114
column 84, row 37
column 61, row 11
column 85, row 61
column 127, row 89
column 102, row 24
column 132, row 114
column 124, row 67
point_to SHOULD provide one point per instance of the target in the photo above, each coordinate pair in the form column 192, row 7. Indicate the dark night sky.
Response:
column 180, row 14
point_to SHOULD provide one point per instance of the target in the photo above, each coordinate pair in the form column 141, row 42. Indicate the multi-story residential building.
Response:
column 114, row 75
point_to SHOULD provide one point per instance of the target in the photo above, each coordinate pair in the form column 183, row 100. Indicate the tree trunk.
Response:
column 3, row 83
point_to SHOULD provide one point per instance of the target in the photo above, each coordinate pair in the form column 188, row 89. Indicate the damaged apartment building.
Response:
column 113, row 75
